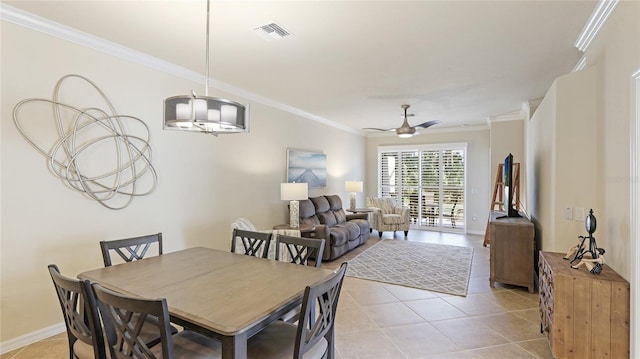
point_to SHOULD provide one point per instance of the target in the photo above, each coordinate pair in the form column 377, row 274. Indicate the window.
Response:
column 429, row 179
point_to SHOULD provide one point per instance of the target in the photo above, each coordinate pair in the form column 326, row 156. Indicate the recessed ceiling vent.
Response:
column 272, row 31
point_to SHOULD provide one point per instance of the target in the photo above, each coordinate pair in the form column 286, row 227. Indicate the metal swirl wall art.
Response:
column 95, row 151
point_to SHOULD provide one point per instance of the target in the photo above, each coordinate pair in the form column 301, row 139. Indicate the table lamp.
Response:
column 293, row 192
column 353, row 187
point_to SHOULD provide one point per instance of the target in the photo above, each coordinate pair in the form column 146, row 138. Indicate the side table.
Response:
column 304, row 228
column 359, row 210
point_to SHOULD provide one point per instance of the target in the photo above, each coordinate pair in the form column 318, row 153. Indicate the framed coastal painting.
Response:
column 307, row 167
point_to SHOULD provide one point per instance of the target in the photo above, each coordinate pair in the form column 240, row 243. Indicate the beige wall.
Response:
column 541, row 148
column 205, row 182
column 616, row 55
column 600, row 175
column 508, row 137
column 479, row 188
column 564, row 161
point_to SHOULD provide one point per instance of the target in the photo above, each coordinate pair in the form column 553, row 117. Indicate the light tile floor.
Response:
column 378, row 320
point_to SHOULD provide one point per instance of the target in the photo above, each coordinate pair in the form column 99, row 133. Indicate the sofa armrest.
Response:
column 320, row 231
column 403, row 212
column 376, row 217
column 357, row 216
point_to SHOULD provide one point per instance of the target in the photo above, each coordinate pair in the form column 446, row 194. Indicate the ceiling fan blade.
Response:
column 379, row 129
column 427, row 124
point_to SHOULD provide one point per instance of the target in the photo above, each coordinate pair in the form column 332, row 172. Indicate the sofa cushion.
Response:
column 335, row 203
column 339, row 236
column 308, row 213
column 392, row 219
column 352, row 228
column 341, row 217
column 307, row 209
column 363, row 224
column 327, row 218
column 321, row 204
column 313, row 220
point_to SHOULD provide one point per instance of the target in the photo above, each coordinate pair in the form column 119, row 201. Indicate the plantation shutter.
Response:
column 430, row 182
column 430, row 173
column 389, row 169
column 452, row 182
column 410, row 180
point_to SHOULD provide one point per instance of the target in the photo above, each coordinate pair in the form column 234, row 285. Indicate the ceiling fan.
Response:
column 406, row 131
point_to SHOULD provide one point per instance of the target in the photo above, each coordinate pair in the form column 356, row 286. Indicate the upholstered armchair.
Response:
column 387, row 216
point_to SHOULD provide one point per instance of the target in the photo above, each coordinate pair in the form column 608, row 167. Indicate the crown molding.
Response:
column 52, row 28
column 594, row 24
column 530, row 107
column 518, row 115
column 582, row 63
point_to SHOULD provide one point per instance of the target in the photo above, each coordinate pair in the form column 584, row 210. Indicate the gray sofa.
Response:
column 342, row 232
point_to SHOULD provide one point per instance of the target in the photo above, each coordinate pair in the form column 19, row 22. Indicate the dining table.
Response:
column 217, row 293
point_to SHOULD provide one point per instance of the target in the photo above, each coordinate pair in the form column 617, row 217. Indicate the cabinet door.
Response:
column 512, row 247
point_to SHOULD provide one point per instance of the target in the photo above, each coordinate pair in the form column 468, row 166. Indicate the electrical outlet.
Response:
column 568, row 213
column 579, row 214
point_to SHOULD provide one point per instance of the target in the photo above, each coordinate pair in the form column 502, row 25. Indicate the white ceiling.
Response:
column 355, row 62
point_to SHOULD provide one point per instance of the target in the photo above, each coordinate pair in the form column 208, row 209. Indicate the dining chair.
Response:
column 300, row 250
column 130, row 249
column 129, row 314
column 245, row 224
column 81, row 317
column 251, row 242
column 281, row 339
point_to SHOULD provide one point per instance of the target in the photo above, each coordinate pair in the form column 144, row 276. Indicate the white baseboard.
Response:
column 31, row 338
column 480, row 233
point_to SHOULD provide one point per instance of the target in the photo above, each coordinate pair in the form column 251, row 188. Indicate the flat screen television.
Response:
column 507, row 180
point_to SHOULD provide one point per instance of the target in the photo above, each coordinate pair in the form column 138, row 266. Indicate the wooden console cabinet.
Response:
column 512, row 251
column 583, row 315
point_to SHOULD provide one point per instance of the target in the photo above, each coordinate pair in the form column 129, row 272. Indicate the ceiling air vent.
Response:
column 272, row 31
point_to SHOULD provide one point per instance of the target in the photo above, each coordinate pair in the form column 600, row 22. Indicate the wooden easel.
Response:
column 498, row 190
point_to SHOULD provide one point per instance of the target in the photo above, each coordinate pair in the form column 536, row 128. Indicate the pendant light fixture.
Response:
column 203, row 113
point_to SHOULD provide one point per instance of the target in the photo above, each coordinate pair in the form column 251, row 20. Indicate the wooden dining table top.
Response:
column 218, row 291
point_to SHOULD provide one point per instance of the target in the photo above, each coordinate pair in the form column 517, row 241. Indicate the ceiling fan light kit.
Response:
column 406, row 131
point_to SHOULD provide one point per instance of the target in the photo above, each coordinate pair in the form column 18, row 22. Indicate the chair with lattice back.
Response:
column 251, row 243
column 300, row 250
column 81, row 318
column 130, row 249
column 280, row 339
column 130, row 314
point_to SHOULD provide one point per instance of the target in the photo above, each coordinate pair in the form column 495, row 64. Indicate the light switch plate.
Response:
column 568, row 213
column 579, row 214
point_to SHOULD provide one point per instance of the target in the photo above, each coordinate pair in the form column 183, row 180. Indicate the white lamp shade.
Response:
column 353, row 186
column 293, row 191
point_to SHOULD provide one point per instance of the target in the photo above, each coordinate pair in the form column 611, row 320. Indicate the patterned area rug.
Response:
column 435, row 267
